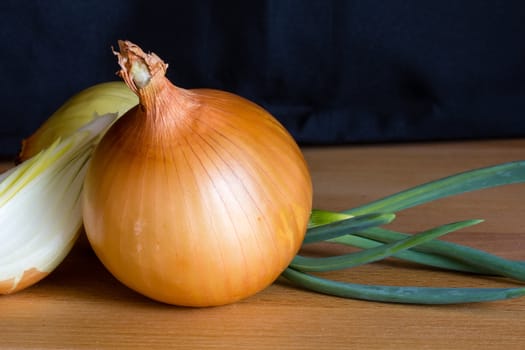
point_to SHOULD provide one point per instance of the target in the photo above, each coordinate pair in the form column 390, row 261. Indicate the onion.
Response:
column 194, row 197
column 40, row 214
column 110, row 97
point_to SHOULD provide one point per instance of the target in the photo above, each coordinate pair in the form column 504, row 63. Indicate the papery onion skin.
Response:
column 30, row 277
column 195, row 197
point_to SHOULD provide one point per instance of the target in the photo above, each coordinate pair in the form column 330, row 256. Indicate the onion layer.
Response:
column 40, row 214
column 110, row 97
column 194, row 197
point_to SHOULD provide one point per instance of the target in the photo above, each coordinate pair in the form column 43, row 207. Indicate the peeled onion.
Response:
column 194, row 197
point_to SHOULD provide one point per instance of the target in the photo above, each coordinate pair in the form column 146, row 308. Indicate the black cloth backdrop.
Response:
column 331, row 71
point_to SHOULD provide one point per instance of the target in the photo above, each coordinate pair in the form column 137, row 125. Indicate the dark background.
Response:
column 331, row 71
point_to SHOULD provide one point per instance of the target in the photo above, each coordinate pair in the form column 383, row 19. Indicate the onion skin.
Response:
column 30, row 277
column 195, row 197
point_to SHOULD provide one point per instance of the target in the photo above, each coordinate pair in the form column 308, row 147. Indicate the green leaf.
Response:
column 402, row 294
column 324, row 217
column 428, row 259
column 477, row 258
column 472, row 180
column 346, row 226
column 374, row 254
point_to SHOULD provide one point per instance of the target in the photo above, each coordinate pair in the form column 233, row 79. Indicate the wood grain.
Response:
column 82, row 306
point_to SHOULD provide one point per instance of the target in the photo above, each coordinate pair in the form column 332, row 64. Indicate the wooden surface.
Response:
column 81, row 306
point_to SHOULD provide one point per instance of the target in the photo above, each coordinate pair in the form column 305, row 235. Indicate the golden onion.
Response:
column 194, row 197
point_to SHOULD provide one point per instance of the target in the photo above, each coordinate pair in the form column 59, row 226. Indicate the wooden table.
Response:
column 80, row 305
